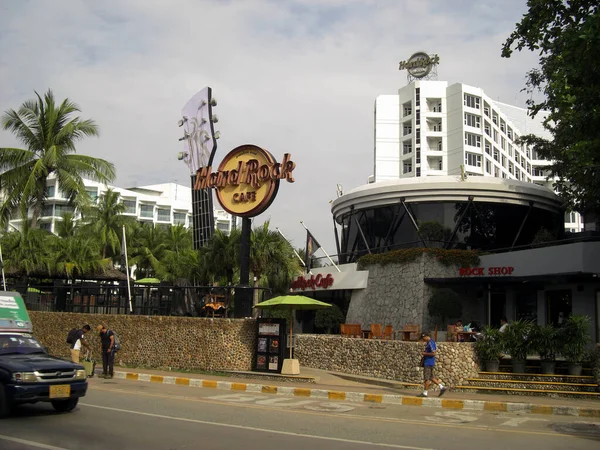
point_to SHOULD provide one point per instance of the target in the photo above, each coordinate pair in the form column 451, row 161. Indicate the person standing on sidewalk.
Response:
column 76, row 339
column 429, row 365
column 108, row 352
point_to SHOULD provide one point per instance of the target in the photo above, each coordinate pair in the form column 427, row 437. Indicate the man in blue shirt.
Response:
column 428, row 365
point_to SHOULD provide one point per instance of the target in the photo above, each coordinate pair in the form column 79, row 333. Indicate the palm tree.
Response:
column 268, row 251
column 104, row 220
column 149, row 249
column 67, row 227
column 223, row 253
column 179, row 239
column 26, row 252
column 77, row 255
column 49, row 133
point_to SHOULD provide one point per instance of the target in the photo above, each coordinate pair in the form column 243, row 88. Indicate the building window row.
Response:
column 472, row 101
column 472, row 159
column 473, row 140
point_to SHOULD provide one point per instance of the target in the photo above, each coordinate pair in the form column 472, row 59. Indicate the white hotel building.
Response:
column 160, row 204
column 433, row 128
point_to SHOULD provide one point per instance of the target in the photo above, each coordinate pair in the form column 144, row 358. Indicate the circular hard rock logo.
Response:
column 419, row 65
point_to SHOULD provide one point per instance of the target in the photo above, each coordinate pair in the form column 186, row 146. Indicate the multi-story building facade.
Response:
column 433, row 128
column 160, row 204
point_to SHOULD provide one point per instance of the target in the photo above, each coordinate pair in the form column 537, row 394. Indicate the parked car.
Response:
column 28, row 374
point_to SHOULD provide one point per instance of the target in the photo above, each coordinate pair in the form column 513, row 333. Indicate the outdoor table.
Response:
column 465, row 334
column 406, row 335
column 365, row 334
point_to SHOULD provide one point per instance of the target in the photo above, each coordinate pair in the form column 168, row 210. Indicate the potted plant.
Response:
column 574, row 342
column 517, row 343
column 489, row 349
column 546, row 342
column 443, row 304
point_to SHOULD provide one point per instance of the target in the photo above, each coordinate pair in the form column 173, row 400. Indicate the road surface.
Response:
column 130, row 415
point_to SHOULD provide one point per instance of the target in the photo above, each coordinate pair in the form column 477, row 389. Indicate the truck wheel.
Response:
column 65, row 405
column 4, row 406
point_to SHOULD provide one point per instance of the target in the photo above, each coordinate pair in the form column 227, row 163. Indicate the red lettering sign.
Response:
column 479, row 271
column 313, row 282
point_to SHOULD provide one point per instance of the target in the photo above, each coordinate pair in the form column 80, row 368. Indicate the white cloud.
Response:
column 295, row 77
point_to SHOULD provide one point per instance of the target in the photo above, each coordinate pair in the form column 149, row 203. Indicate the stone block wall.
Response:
column 397, row 294
column 177, row 343
column 393, row 360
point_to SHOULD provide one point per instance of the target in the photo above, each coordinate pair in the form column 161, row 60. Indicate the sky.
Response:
column 297, row 77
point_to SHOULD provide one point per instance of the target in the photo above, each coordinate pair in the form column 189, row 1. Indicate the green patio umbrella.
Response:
column 292, row 302
column 148, row 281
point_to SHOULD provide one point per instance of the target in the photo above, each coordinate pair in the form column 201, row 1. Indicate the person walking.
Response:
column 76, row 339
column 107, row 338
column 429, row 365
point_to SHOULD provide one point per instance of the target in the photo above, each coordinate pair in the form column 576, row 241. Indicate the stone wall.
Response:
column 397, row 294
column 394, row 360
column 182, row 343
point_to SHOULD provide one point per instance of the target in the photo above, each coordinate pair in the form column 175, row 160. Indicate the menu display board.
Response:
column 270, row 345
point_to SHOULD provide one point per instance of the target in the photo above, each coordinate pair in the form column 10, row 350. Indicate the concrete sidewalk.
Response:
column 337, row 386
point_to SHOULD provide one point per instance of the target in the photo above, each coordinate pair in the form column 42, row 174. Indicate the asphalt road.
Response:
column 128, row 415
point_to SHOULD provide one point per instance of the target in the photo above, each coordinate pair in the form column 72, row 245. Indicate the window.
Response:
column 418, row 137
column 407, row 167
column 488, row 166
column 511, row 168
column 509, row 133
column 418, row 157
column 407, row 109
column 418, row 171
column 50, row 191
column 486, row 109
column 164, row 215
column 129, row 206
column 496, row 172
column 440, row 146
column 440, row 165
column 559, row 307
column 48, row 211
column 503, row 145
column 488, row 147
column 437, row 126
column 502, row 126
column 504, row 161
column 537, row 172
column 573, row 217
column 472, row 120
column 417, row 96
column 407, row 148
column 147, row 211
column 407, row 129
column 59, row 210
column 487, row 128
column 471, row 101
column 495, row 118
column 496, row 136
column 179, row 218
column 92, row 192
column 437, row 108
column 223, row 226
column 472, row 159
column 496, row 155
column 418, row 118
column 473, row 140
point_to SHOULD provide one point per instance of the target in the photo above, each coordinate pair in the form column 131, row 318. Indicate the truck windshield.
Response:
column 19, row 344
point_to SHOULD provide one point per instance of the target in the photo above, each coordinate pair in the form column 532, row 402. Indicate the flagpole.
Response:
column 2, row 265
column 294, row 250
column 127, row 269
column 323, row 250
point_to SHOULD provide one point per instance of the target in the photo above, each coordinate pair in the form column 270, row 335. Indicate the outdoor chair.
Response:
column 388, row 332
column 350, row 330
column 376, row 331
column 411, row 332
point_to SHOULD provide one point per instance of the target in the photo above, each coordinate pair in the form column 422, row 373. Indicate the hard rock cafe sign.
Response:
column 419, row 64
column 247, row 179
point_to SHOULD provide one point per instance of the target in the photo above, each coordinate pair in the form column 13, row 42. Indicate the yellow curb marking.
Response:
column 269, row 389
column 182, row 381
column 209, row 383
column 335, row 395
column 494, row 406
column 238, row 386
column 541, row 409
column 588, row 412
column 375, row 398
column 300, row 392
column 413, row 401
column 454, row 404
column 157, row 378
column 131, row 376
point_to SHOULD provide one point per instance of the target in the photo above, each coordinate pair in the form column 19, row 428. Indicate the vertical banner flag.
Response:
column 312, row 245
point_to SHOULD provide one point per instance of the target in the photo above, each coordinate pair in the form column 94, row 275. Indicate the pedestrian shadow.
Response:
column 585, row 430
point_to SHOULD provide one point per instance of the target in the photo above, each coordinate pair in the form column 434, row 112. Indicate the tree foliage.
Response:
column 567, row 37
column 49, row 132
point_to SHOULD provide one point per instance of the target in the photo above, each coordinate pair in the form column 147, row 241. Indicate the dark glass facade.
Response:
column 455, row 225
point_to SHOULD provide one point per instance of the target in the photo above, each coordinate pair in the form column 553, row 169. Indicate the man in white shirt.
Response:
column 503, row 325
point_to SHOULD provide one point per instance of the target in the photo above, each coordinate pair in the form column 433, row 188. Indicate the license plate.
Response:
column 60, row 391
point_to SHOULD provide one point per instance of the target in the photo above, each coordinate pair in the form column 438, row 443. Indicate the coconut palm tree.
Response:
column 26, row 252
column 223, row 253
column 149, row 249
column 179, row 239
column 67, row 226
column 49, row 132
column 77, row 255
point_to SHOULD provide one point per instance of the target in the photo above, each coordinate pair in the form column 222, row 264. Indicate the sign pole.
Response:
column 244, row 295
column 2, row 265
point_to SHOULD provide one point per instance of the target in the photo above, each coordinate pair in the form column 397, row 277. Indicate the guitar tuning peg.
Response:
column 214, row 118
column 217, row 135
column 213, row 102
